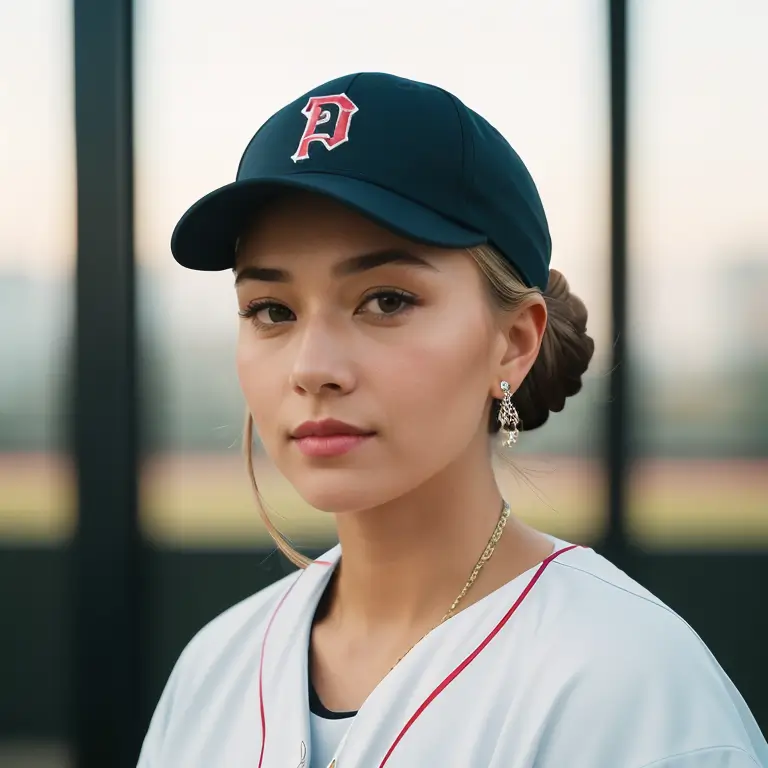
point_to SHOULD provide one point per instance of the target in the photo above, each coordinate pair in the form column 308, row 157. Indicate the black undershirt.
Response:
column 316, row 707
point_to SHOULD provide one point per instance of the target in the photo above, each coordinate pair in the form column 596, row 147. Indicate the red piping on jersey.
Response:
column 261, row 670
column 464, row 664
column 261, row 662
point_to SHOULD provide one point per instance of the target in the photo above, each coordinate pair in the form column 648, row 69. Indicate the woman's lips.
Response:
column 329, row 445
column 329, row 437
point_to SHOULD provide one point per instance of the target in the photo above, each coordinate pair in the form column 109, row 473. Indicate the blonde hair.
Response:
column 566, row 350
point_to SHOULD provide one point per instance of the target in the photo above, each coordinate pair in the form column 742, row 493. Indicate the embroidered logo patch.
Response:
column 335, row 111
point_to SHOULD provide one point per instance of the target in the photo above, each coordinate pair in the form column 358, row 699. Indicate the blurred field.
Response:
column 193, row 500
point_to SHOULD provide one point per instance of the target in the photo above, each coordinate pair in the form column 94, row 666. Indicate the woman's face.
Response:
column 342, row 320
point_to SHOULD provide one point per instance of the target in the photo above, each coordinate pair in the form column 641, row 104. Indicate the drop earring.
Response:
column 508, row 417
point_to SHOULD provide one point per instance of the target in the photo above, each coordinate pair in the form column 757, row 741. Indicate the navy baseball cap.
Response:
column 407, row 155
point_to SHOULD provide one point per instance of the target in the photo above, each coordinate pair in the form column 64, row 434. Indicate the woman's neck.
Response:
column 404, row 563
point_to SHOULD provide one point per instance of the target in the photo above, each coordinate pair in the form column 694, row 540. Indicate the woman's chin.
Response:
column 341, row 496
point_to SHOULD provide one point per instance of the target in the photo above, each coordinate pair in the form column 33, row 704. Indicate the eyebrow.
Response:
column 351, row 266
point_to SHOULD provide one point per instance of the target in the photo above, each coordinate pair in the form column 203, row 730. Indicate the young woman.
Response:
column 397, row 310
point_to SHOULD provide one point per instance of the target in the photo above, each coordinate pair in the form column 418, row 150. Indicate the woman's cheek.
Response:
column 258, row 389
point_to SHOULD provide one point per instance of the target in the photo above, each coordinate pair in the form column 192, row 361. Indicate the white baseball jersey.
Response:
column 570, row 665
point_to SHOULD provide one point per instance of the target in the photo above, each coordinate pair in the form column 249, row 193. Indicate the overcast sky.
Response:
column 208, row 74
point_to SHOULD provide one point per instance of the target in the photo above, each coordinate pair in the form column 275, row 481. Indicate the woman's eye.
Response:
column 268, row 313
column 275, row 313
column 388, row 302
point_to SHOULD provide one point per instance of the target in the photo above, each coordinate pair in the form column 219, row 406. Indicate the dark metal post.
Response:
column 107, row 548
column 618, row 449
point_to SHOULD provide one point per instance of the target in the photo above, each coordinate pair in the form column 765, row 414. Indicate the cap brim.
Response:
column 206, row 235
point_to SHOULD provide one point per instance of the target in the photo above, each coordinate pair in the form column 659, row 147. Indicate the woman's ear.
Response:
column 521, row 335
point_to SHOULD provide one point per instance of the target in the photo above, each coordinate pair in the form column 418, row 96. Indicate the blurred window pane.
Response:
column 699, row 272
column 37, row 256
column 37, row 250
column 205, row 82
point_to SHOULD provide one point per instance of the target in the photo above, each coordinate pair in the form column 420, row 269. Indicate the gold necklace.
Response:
column 484, row 558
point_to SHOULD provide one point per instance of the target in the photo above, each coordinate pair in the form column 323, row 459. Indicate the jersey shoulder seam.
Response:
column 702, row 750
column 656, row 603
column 615, row 586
